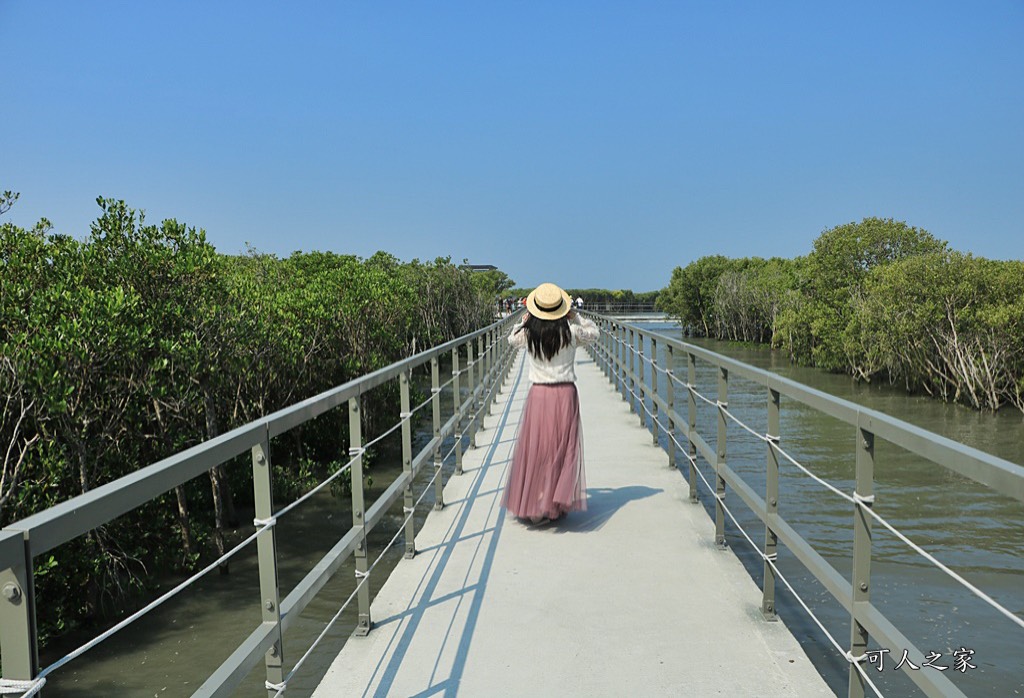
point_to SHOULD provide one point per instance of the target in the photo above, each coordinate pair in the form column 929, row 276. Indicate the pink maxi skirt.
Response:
column 546, row 478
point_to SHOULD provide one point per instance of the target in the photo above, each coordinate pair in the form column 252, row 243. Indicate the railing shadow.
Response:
column 414, row 613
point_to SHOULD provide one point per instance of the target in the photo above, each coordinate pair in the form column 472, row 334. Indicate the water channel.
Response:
column 975, row 531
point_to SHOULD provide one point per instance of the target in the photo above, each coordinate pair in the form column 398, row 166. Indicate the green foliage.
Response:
column 7, row 199
column 840, row 262
column 948, row 324
column 877, row 299
column 690, row 295
column 141, row 340
column 492, row 284
column 599, row 299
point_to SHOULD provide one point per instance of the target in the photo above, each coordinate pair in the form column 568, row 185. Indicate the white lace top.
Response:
column 561, row 367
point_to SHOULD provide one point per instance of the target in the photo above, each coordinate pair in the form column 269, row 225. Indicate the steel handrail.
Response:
column 23, row 540
column 617, row 353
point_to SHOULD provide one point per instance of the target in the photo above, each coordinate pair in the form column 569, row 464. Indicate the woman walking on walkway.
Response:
column 546, row 479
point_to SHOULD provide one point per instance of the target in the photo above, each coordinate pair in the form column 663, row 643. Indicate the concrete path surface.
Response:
column 629, row 598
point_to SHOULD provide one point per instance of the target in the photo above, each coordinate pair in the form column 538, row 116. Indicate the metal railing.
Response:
column 488, row 359
column 620, row 354
column 621, row 308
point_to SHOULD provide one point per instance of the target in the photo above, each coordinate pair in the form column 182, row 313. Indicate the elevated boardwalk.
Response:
column 628, row 598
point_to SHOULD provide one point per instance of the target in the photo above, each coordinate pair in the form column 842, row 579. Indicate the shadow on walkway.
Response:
column 602, row 503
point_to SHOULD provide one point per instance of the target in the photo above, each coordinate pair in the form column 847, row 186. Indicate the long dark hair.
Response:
column 546, row 337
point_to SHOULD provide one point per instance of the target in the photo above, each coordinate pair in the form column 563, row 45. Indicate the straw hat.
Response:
column 548, row 302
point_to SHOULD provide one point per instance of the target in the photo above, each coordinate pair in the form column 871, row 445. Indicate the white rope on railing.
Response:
column 338, row 473
column 458, row 440
column 74, row 654
column 448, row 382
column 778, row 449
column 26, row 688
column 261, row 525
column 690, row 388
column 480, row 411
column 642, row 401
column 684, row 451
column 860, row 500
column 645, row 359
column 928, row 556
column 856, row 498
column 354, row 453
column 734, row 418
column 380, row 437
column 771, row 560
column 428, row 401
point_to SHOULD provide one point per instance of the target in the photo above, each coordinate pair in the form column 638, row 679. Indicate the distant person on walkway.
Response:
column 579, row 302
column 546, row 480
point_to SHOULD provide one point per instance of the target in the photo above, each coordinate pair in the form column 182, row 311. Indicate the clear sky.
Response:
column 593, row 144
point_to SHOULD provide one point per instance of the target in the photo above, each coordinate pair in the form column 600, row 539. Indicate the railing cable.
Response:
column 362, row 578
column 856, row 498
column 772, row 560
column 341, row 471
column 928, row 556
column 74, row 654
column 26, row 688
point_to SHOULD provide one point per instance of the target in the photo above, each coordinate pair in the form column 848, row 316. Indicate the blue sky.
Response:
column 593, row 144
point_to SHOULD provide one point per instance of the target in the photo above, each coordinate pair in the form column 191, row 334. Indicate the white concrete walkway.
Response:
column 629, row 598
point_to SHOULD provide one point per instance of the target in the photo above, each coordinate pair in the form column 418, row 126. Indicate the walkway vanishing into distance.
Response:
column 631, row 597
column 635, row 596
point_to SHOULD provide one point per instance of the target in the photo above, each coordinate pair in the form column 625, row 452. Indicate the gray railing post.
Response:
column 18, row 639
column 654, row 389
column 609, row 351
column 609, row 346
column 640, row 378
column 613, row 328
column 489, row 365
column 865, row 469
column 771, row 499
column 691, row 379
column 359, row 513
column 670, row 394
column 410, row 502
column 623, row 378
column 266, row 552
column 471, row 362
column 632, row 368
column 457, row 400
column 723, row 402
column 510, row 359
column 616, row 350
column 606, row 347
column 435, row 404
